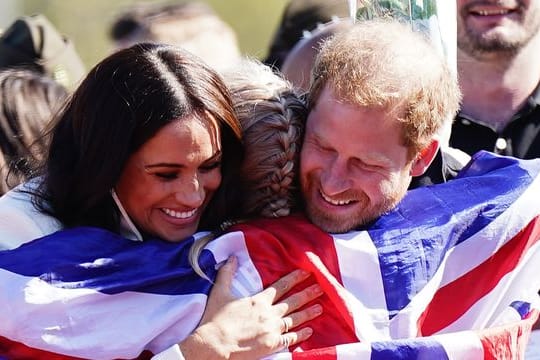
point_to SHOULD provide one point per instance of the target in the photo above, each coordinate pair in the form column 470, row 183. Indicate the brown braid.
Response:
column 272, row 115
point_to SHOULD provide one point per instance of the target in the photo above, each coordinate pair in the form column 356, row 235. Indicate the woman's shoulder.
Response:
column 20, row 221
column 20, row 197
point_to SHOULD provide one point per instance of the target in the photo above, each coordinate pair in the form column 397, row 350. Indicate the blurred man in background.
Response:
column 499, row 73
column 192, row 25
column 300, row 17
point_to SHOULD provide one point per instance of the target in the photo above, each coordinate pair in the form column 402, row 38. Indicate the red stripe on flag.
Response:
column 279, row 246
column 454, row 299
column 13, row 350
column 509, row 341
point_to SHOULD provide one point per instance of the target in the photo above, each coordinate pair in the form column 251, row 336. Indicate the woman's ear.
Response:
column 424, row 158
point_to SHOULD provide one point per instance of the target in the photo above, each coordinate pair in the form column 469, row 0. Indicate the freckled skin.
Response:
column 353, row 165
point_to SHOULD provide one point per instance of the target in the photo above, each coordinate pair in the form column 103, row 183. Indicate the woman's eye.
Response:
column 166, row 176
column 211, row 166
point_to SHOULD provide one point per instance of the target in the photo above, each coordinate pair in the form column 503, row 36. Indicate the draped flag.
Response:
column 451, row 273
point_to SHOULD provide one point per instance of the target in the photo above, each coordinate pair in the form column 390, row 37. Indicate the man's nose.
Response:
column 335, row 178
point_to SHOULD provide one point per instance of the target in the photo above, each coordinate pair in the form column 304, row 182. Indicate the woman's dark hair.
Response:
column 28, row 102
column 122, row 103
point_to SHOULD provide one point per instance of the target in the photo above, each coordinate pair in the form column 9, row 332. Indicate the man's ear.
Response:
column 424, row 158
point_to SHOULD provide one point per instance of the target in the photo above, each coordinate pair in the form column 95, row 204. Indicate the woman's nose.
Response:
column 190, row 193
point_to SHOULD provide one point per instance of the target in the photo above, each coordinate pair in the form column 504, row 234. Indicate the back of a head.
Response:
column 301, row 16
column 33, row 42
column 28, row 102
column 297, row 65
column 385, row 64
column 193, row 25
column 272, row 116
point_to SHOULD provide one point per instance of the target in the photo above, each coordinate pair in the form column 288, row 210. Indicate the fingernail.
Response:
column 316, row 289
column 304, row 273
column 231, row 260
column 317, row 309
column 308, row 331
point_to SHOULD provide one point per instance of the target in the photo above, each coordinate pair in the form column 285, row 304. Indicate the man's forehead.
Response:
column 330, row 97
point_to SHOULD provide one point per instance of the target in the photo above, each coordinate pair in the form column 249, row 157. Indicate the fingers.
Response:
column 289, row 338
column 285, row 341
column 286, row 324
column 294, row 337
column 299, row 299
column 280, row 287
column 296, row 319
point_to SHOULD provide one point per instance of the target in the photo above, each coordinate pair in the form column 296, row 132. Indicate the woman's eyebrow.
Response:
column 216, row 156
column 157, row 165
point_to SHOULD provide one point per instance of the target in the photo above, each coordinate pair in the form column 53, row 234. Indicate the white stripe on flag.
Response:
column 464, row 345
column 361, row 276
column 82, row 327
column 247, row 280
column 358, row 351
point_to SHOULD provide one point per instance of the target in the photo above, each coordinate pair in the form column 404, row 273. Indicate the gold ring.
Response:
column 285, row 325
column 285, row 341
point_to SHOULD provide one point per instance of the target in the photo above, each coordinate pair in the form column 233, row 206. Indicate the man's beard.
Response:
column 365, row 213
column 492, row 42
column 479, row 45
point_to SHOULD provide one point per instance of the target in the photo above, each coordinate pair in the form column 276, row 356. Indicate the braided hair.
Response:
column 272, row 115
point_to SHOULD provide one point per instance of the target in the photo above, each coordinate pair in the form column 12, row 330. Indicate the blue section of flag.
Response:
column 408, row 349
column 97, row 259
column 523, row 308
column 413, row 239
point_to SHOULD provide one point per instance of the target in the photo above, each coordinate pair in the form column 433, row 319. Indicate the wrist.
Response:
column 204, row 343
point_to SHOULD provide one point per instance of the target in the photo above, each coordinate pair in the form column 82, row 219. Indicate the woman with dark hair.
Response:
column 99, row 141
column 28, row 101
column 149, row 146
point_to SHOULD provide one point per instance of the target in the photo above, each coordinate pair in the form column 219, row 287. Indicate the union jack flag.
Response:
column 451, row 273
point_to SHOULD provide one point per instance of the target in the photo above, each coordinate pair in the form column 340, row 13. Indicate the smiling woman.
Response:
column 149, row 147
column 165, row 190
column 108, row 132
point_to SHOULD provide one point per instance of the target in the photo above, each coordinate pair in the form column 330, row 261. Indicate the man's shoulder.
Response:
column 453, row 160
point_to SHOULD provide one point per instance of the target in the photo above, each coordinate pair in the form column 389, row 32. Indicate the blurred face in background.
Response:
column 166, row 185
column 496, row 27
